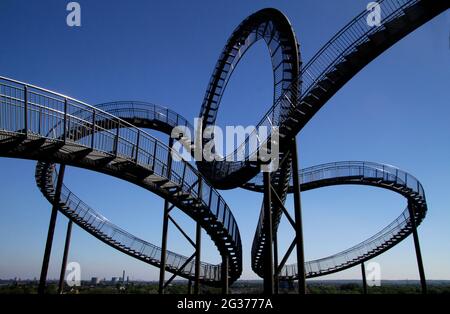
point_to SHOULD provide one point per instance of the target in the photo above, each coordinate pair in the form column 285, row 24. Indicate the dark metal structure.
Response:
column 364, row 280
column 51, row 128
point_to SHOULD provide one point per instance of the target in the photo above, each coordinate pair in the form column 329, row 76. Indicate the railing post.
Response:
column 268, row 254
column 154, row 155
column 65, row 121
column 93, row 130
column 65, row 255
column 298, row 220
column 363, row 272
column 116, row 139
column 39, row 122
column 423, row 281
column 51, row 231
column 224, row 269
column 137, row 146
column 25, row 109
column 162, row 269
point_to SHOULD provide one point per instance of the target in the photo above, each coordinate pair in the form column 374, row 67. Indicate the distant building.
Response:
column 114, row 280
column 95, row 281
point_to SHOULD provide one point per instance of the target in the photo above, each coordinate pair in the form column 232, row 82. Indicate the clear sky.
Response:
column 394, row 111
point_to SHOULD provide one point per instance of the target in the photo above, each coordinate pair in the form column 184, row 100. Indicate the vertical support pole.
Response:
column 189, row 286
column 198, row 246
column 423, row 281
column 136, row 153
column 224, row 275
column 364, row 280
column 65, row 121
column 162, row 270
column 298, row 220
column 116, row 139
column 51, row 231
column 93, row 130
column 65, row 255
column 198, row 238
column 268, row 254
column 25, row 109
column 275, row 261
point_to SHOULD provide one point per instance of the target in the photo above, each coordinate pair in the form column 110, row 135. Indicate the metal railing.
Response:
column 36, row 112
column 83, row 214
column 148, row 111
column 334, row 52
column 358, row 172
column 324, row 61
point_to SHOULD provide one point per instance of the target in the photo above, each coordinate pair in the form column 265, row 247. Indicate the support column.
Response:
column 268, row 252
column 275, row 261
column 64, row 260
column 51, row 231
column 162, row 269
column 298, row 220
column 189, row 286
column 363, row 272
column 198, row 246
column 224, row 274
column 423, row 281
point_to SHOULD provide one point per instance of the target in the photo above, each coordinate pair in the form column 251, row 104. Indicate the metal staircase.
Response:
column 39, row 124
column 354, row 173
column 353, row 47
column 42, row 125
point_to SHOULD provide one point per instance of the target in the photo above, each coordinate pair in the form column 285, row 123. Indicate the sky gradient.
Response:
column 394, row 111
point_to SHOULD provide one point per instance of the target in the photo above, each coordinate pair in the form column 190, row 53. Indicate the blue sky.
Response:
column 394, row 111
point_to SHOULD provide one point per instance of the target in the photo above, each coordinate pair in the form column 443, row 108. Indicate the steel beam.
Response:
column 65, row 255
column 275, row 262
column 51, row 231
column 364, row 280
column 162, row 269
column 224, row 275
column 268, row 250
column 423, row 281
column 298, row 220
column 25, row 109
column 178, row 271
column 198, row 246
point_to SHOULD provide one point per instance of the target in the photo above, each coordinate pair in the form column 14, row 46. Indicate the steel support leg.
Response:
column 51, row 231
column 363, row 272
column 189, row 286
column 162, row 269
column 423, row 281
column 268, row 252
column 65, row 255
column 298, row 220
column 198, row 246
column 224, row 274
column 275, row 262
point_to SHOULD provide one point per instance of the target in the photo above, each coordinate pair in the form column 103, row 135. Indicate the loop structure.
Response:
column 51, row 128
